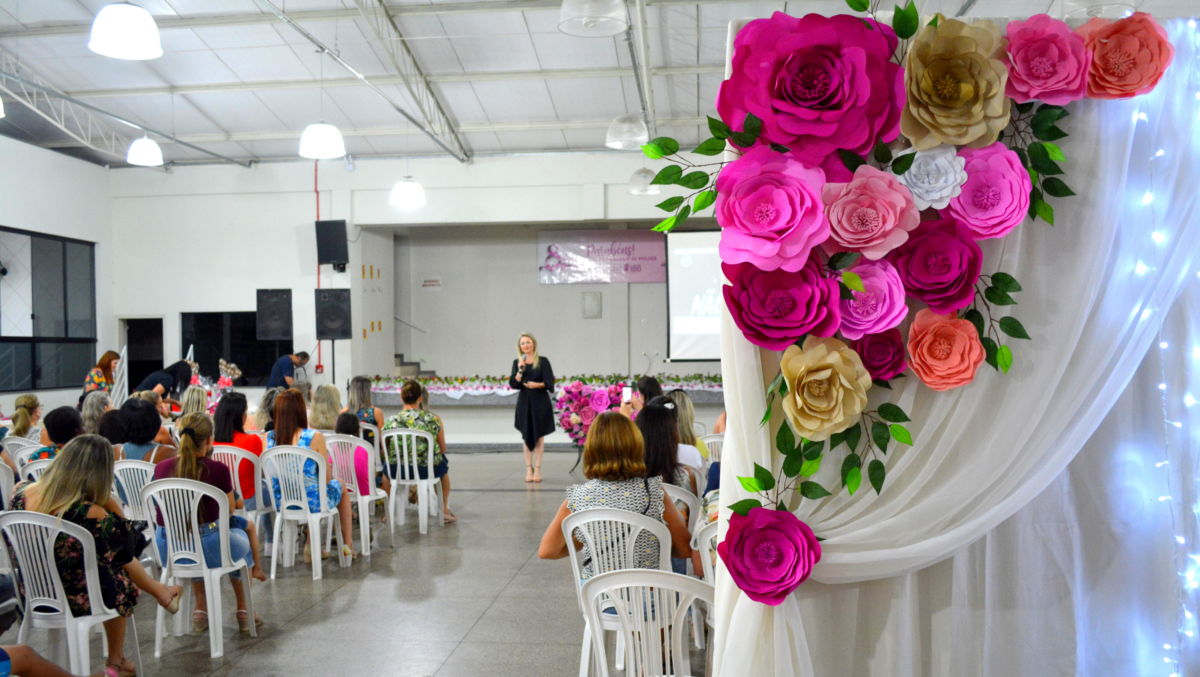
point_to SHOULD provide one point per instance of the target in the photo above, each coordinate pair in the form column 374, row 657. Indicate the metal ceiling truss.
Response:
column 437, row 132
column 389, row 37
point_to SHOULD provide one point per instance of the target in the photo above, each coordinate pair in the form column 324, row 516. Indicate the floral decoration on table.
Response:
column 579, row 404
column 227, row 374
column 460, row 386
column 872, row 159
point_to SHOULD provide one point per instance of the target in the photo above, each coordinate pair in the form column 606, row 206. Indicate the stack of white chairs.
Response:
column 283, row 468
column 404, row 474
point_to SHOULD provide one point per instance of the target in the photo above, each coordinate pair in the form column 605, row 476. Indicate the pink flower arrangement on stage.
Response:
column 579, row 404
column 873, row 160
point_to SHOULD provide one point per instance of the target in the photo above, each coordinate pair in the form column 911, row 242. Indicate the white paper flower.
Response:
column 937, row 176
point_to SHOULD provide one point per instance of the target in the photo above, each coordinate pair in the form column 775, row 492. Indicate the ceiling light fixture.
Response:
column 1, row 108
column 593, row 18
column 628, row 132
column 407, row 195
column 144, row 152
column 639, row 183
column 125, row 31
column 322, row 141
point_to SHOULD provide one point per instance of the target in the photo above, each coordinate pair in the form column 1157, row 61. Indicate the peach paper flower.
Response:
column 943, row 351
column 871, row 215
column 1129, row 55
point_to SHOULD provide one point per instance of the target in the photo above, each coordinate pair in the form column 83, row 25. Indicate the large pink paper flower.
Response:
column 775, row 308
column 770, row 212
column 818, row 83
column 1129, row 56
column 1046, row 61
column 995, row 198
column 599, row 400
column 768, row 553
column 871, row 215
column 880, row 307
column 939, row 265
column 882, row 354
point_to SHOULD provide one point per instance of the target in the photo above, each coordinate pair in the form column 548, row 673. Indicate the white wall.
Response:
column 47, row 192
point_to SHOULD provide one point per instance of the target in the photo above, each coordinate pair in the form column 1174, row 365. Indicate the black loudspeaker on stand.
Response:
column 333, row 318
column 273, row 319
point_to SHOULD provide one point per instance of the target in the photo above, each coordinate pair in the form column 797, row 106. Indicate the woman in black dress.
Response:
column 534, row 377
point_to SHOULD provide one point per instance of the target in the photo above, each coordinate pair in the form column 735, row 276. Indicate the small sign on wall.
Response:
column 431, row 284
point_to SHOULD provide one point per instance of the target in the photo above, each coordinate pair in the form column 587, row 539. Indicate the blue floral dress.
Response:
column 333, row 490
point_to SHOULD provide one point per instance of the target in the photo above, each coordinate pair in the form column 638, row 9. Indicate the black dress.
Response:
column 535, row 414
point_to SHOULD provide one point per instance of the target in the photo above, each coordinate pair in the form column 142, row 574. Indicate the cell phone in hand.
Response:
column 627, row 394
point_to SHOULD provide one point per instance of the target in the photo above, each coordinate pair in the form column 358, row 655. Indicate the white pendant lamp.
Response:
column 1, row 108
column 639, row 183
column 322, row 141
column 407, row 195
column 627, row 132
column 125, row 31
column 144, row 152
column 593, row 18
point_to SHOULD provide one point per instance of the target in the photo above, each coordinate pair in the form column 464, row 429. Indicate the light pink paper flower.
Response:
column 1046, row 61
column 872, row 214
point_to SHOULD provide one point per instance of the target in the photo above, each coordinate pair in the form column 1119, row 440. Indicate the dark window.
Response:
column 47, row 311
column 232, row 336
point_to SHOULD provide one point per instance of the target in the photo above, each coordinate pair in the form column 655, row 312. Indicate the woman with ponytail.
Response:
column 193, row 463
column 26, row 415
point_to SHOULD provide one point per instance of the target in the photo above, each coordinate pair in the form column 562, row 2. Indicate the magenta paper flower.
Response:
column 995, row 198
column 774, row 308
column 769, row 553
column 1046, row 61
column 599, row 400
column 882, row 354
column 872, row 214
column 939, row 265
column 587, row 415
column 770, row 212
column 880, row 307
column 817, row 83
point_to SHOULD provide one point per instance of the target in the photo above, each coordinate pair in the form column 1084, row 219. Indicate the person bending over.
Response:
column 283, row 373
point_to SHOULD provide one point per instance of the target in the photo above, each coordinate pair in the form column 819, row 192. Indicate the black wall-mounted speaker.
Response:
column 333, row 314
column 331, row 244
column 273, row 319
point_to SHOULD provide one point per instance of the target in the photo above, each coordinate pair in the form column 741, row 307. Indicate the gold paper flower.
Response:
column 955, row 83
column 827, row 387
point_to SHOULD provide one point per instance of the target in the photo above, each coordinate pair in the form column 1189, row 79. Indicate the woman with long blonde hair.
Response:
column 685, row 414
column 77, row 488
column 26, row 414
column 533, row 376
column 326, row 405
column 195, row 401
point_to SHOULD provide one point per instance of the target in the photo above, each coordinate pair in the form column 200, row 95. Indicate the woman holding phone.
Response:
column 533, row 376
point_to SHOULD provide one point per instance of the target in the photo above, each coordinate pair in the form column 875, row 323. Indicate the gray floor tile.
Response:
column 502, row 659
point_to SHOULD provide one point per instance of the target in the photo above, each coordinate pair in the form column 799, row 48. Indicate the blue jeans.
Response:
column 210, row 541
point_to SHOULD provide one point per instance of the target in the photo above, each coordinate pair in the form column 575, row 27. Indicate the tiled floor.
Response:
column 464, row 600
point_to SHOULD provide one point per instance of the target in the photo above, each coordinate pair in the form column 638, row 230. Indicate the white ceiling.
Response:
column 236, row 81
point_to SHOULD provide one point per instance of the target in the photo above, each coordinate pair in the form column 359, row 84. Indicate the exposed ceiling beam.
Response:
column 501, row 127
column 245, row 19
column 486, row 76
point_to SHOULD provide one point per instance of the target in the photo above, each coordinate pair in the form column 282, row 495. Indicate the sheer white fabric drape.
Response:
column 1097, row 287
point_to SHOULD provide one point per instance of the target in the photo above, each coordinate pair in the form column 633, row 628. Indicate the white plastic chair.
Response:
column 341, row 450
column 283, row 467
column 611, row 538
column 13, row 444
column 178, row 501
column 689, row 500
column 24, row 454
column 130, row 477
column 404, row 473
column 33, row 470
column 364, row 428
column 705, row 540
column 7, row 482
column 232, row 458
column 32, row 537
column 651, row 615
column 714, row 443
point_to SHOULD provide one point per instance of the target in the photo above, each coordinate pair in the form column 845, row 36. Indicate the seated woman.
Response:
column 194, row 401
column 359, row 401
column 685, row 414
column 616, row 472
column 111, row 428
column 327, row 402
column 163, row 407
column 347, row 424
column 193, row 463
column 77, row 487
column 660, row 435
column 688, row 455
column 229, row 428
column 27, row 413
column 142, row 423
column 291, row 428
column 414, row 416
column 266, row 412
column 94, row 405
column 61, row 426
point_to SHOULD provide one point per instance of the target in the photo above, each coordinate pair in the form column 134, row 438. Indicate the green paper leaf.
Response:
column 1024, row 157
column 976, row 318
column 933, row 22
column 742, row 139
column 1024, row 107
column 858, row 5
column 892, row 413
column 1004, row 359
column 905, row 22
column 1048, row 133
column 810, row 466
column 1013, row 327
column 653, row 151
column 793, row 465
column 881, row 383
column 718, row 128
column 900, row 434
column 668, row 145
column 880, row 435
column 713, row 146
column 853, row 480
column 1056, row 188
column 1039, row 159
column 780, row 148
column 752, row 125
column 704, row 200
column 670, row 204
column 989, row 351
column 842, row 260
column 1005, row 282
column 851, row 463
column 665, row 225
column 694, row 180
column 781, row 506
column 836, row 439
column 1054, row 152
column 998, row 297
column 853, row 281
column 813, row 490
column 853, row 436
column 903, row 163
column 851, row 160
column 813, row 450
column 744, row 507
column 1044, row 211
column 785, row 439
column 876, row 473
column 667, row 176
column 882, row 153
column 844, row 291
column 765, row 478
column 750, row 484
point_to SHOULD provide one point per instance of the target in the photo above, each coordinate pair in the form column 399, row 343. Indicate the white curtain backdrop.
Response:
column 1035, row 596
